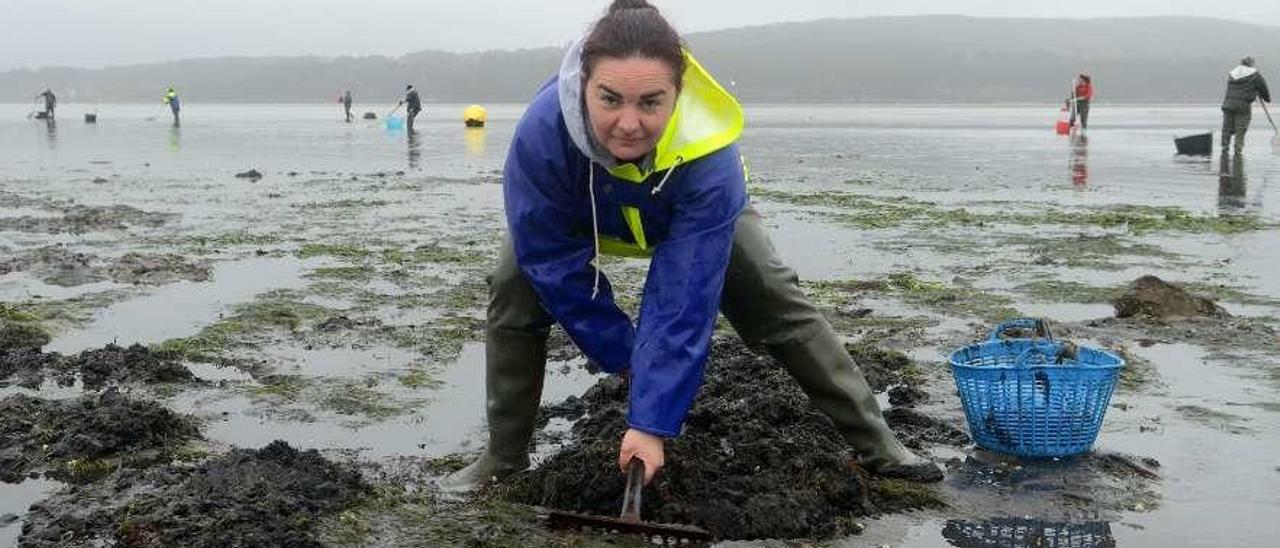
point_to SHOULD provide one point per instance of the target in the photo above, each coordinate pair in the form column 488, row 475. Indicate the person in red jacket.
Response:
column 1083, row 95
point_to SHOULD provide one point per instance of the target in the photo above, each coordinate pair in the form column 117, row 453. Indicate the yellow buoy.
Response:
column 474, row 116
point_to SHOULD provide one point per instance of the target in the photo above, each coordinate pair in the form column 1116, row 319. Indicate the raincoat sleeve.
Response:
column 682, row 293
column 1263, row 92
column 557, row 262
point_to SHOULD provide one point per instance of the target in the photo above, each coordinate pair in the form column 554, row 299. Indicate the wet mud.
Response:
column 25, row 365
column 755, row 460
column 1095, row 485
column 273, row 496
column 58, row 265
column 81, row 219
column 1152, row 297
column 137, row 268
column 75, row 440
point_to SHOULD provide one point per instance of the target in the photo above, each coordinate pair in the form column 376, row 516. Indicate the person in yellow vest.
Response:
column 633, row 151
column 175, row 104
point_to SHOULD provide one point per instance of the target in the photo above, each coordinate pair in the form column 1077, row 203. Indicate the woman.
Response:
column 631, row 152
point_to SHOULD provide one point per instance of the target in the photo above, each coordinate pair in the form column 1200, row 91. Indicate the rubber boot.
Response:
column 514, row 390
column 1239, row 145
column 515, row 364
column 838, row 388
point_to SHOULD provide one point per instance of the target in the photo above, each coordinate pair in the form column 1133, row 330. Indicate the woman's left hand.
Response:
column 648, row 447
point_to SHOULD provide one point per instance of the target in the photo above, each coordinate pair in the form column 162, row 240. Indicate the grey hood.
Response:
column 1241, row 72
column 574, row 108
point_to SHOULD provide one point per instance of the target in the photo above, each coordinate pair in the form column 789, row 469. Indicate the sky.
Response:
column 96, row 33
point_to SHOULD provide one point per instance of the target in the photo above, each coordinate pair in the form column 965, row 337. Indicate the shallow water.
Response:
column 1218, row 468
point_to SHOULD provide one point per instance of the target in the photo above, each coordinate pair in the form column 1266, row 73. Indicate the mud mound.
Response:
column 1152, row 297
column 135, row 364
column 110, row 364
column 265, row 497
column 916, row 430
column 755, row 459
column 136, row 268
column 26, row 366
column 56, row 436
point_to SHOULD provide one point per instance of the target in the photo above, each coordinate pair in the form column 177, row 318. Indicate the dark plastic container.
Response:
column 1195, row 145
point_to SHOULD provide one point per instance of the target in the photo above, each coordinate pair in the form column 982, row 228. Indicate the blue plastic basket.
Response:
column 1033, row 397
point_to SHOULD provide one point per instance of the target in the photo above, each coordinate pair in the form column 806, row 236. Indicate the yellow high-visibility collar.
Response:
column 706, row 119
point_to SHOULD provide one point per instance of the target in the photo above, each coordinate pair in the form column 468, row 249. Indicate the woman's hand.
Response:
column 648, row 447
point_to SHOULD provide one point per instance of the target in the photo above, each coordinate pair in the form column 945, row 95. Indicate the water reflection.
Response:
column 1028, row 533
column 51, row 127
column 415, row 150
column 1078, row 164
column 474, row 137
column 175, row 138
column 1232, row 186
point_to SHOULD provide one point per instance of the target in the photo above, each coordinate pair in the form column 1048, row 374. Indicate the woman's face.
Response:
column 629, row 102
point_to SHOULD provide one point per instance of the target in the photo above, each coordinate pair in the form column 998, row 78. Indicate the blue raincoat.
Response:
column 686, row 227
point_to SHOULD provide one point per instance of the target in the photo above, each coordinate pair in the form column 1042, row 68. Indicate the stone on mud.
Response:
column 755, row 460
column 252, row 175
column 272, row 496
column 1152, row 297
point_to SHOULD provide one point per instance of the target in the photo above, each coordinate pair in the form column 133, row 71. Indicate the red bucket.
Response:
column 1064, row 127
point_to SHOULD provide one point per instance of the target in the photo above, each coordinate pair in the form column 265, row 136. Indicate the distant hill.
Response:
column 880, row 59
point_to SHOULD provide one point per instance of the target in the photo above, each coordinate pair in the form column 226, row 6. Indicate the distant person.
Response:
column 413, row 104
column 50, row 102
column 346, row 105
column 1083, row 94
column 1244, row 84
column 175, row 104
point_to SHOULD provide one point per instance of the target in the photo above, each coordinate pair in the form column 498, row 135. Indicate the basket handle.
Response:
column 1039, row 326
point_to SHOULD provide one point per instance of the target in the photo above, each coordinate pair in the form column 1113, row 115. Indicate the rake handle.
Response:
column 631, row 498
column 1268, row 113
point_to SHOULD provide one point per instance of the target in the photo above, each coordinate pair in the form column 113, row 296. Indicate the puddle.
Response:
column 452, row 421
column 213, row 373
column 337, row 362
column 181, row 309
column 14, row 501
column 22, row 286
column 1211, row 474
column 1066, row 312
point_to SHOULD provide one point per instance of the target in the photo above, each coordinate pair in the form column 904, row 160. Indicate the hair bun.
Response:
column 619, row 5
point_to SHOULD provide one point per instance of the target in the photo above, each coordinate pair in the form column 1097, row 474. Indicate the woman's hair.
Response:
column 634, row 28
column 1086, row 78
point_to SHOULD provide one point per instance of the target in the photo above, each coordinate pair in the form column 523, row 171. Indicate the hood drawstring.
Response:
column 595, row 216
column 595, row 227
column 663, row 182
